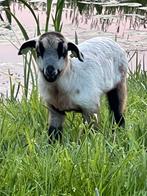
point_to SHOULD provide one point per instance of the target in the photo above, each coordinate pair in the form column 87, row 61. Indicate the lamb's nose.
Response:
column 50, row 71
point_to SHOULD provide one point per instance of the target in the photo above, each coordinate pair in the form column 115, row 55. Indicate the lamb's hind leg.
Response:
column 117, row 100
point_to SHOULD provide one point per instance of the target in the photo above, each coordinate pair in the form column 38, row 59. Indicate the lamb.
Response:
column 76, row 81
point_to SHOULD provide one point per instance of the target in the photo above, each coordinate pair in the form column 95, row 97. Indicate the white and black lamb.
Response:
column 76, row 82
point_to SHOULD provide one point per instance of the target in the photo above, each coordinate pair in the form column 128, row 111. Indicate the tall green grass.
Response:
column 111, row 164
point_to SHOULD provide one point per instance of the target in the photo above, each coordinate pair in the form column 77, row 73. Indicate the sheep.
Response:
column 76, row 81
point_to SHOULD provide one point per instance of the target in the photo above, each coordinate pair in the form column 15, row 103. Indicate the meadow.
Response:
column 87, row 162
column 113, row 164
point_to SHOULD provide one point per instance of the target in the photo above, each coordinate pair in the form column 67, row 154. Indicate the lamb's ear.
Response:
column 26, row 46
column 75, row 51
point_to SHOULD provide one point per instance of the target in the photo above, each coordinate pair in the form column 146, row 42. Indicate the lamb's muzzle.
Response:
column 97, row 66
column 51, row 74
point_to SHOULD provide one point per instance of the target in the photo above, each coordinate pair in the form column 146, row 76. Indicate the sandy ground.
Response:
column 12, row 65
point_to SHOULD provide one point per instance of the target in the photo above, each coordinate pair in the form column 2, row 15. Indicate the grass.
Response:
column 111, row 165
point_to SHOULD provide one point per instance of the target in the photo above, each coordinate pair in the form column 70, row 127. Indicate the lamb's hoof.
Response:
column 54, row 134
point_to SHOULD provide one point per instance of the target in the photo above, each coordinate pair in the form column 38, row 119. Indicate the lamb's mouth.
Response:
column 52, row 77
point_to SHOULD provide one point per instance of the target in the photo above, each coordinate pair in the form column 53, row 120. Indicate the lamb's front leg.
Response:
column 56, row 120
column 90, row 118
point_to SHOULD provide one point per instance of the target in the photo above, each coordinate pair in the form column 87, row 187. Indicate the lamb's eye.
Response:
column 62, row 51
column 41, row 49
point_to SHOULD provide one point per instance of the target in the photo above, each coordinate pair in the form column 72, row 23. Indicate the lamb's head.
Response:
column 52, row 53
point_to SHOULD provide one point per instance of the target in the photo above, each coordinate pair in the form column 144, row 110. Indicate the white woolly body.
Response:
column 82, row 83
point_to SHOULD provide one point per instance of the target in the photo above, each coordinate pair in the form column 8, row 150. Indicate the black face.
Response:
column 51, row 74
